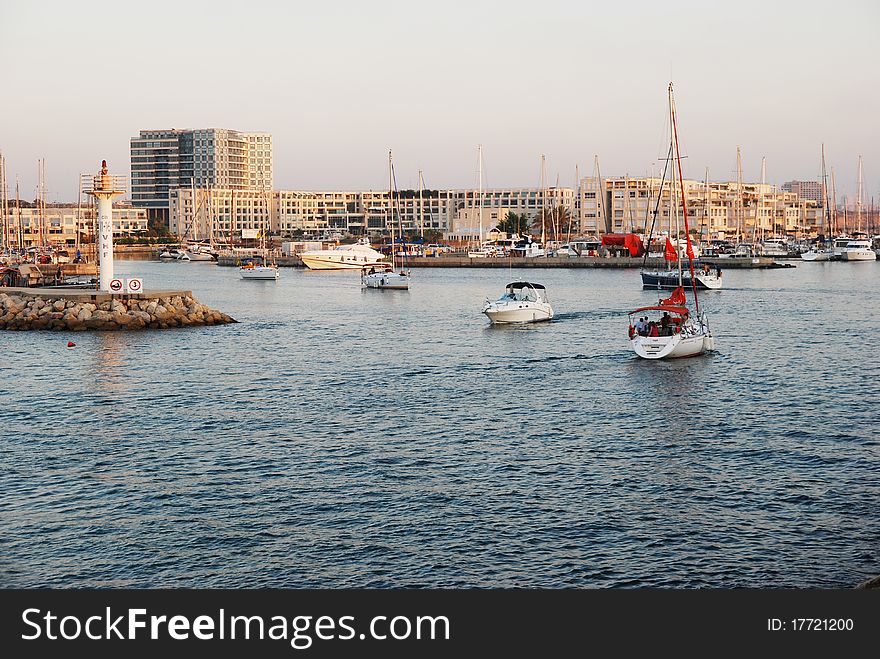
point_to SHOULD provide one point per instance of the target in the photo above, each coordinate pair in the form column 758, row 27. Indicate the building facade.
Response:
column 58, row 225
column 163, row 161
column 612, row 205
column 810, row 190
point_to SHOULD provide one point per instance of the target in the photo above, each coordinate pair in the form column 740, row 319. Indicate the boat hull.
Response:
column 860, row 255
column 669, row 280
column 676, row 346
column 817, row 256
column 325, row 263
column 392, row 281
column 259, row 272
column 518, row 312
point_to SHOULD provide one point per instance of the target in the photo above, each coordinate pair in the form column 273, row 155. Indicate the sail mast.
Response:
column 543, row 208
column 825, row 199
column 391, row 205
column 421, row 208
column 834, row 204
column 740, row 215
column 480, row 166
column 690, row 251
column 859, row 198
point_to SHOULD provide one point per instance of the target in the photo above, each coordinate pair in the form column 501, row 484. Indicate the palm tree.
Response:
column 514, row 223
column 543, row 220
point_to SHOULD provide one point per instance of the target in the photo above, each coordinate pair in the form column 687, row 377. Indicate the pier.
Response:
column 461, row 261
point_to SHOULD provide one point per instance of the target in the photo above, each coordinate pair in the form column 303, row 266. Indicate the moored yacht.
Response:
column 344, row 257
column 859, row 250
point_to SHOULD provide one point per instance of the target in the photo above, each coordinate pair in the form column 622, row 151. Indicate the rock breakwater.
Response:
column 60, row 312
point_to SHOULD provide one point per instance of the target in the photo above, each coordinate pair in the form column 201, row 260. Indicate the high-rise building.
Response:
column 164, row 160
column 811, row 190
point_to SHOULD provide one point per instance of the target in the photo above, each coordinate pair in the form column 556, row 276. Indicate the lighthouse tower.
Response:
column 104, row 188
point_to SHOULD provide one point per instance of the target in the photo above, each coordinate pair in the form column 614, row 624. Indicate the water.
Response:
column 339, row 437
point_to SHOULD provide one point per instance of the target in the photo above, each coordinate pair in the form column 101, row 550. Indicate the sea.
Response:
column 341, row 437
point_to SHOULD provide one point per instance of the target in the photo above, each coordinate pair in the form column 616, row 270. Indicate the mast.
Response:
column 834, row 204
column 421, row 207
column 5, row 203
column 577, row 188
column 600, row 193
column 480, row 165
column 18, row 212
column 739, row 189
column 78, row 211
column 707, row 203
column 391, row 206
column 859, row 198
column 673, row 197
column 543, row 208
column 826, row 201
column 690, row 251
column 761, row 204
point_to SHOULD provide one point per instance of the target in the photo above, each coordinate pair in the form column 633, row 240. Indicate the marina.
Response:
column 265, row 455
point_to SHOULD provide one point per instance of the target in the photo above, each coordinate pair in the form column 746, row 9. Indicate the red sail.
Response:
column 669, row 254
column 677, row 299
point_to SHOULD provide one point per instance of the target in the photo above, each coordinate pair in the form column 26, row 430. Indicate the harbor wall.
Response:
column 53, row 309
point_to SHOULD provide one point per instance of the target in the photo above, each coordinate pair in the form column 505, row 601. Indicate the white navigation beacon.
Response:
column 104, row 188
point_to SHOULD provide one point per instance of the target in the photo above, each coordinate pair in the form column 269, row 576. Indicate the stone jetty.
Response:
column 87, row 309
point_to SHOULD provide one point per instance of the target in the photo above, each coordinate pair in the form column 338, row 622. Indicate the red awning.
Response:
column 629, row 240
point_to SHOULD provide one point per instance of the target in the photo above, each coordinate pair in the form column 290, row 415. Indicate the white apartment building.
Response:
column 58, row 224
column 618, row 205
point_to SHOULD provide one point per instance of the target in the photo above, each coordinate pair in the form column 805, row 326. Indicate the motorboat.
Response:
column 859, row 250
column 171, row 254
column 344, row 257
column 199, row 252
column 774, row 247
column 706, row 278
column 526, row 247
column 255, row 271
column 838, row 246
column 522, row 302
column 818, row 253
column 385, row 277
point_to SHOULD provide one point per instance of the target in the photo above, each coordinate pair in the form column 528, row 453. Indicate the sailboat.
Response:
column 672, row 277
column 265, row 270
column 820, row 252
column 385, row 276
column 676, row 333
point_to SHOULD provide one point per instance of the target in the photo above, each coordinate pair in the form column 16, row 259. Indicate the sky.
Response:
column 340, row 83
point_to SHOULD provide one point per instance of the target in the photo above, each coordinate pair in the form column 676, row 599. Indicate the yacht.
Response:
column 838, row 246
column 199, row 252
column 522, row 302
column 818, row 253
column 774, row 247
column 859, row 249
column 344, row 257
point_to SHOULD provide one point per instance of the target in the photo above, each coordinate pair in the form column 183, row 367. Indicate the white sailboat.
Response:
column 860, row 247
column 263, row 270
column 385, row 276
column 822, row 252
column 676, row 333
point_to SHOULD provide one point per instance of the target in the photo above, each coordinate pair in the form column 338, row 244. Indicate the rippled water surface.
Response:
column 339, row 437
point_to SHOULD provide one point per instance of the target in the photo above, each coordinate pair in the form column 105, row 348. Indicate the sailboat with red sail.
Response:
column 668, row 330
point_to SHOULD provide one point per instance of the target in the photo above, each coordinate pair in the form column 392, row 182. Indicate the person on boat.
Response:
column 642, row 326
column 665, row 329
column 372, row 270
column 652, row 329
column 718, row 271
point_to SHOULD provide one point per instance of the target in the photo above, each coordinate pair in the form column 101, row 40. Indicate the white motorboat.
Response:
column 385, row 277
column 838, row 246
column 522, row 302
column 170, row 254
column 859, row 250
column 253, row 271
column 344, row 257
column 817, row 253
column 774, row 247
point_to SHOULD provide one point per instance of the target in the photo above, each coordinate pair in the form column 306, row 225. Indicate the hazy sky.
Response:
column 339, row 83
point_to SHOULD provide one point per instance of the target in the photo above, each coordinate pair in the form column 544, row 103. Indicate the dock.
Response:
column 761, row 262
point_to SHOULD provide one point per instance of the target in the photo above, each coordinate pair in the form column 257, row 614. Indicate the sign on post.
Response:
column 115, row 285
column 135, row 285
